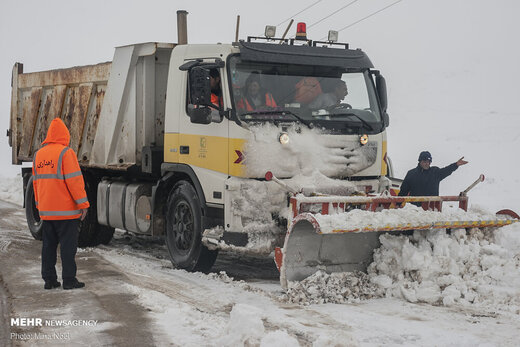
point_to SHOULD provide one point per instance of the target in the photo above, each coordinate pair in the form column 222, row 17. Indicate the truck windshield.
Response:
column 333, row 98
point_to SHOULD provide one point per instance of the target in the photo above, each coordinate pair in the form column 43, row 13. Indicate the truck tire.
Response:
column 91, row 233
column 184, row 230
column 31, row 212
column 104, row 235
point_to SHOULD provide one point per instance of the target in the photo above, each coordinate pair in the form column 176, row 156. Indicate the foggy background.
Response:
column 452, row 66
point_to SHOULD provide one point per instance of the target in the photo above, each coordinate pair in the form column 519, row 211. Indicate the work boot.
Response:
column 74, row 284
column 50, row 284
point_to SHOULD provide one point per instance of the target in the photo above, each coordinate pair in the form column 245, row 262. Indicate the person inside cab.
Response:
column 333, row 98
column 254, row 95
column 216, row 89
column 306, row 90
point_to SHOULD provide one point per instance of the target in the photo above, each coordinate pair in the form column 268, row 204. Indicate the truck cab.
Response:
column 304, row 121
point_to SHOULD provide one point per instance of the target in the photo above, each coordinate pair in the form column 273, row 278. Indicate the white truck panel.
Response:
column 125, row 124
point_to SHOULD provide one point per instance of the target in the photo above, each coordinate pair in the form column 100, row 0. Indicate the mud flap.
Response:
column 306, row 251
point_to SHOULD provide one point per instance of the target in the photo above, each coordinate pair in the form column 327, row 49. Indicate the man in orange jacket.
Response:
column 216, row 90
column 59, row 192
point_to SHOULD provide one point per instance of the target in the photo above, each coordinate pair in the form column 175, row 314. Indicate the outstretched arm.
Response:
column 461, row 161
column 446, row 171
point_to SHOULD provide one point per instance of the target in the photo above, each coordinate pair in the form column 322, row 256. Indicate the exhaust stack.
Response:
column 182, row 27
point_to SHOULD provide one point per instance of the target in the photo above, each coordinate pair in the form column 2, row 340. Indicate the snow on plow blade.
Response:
column 320, row 236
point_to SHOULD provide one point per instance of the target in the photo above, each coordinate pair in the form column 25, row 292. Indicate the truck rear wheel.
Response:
column 91, row 233
column 31, row 212
column 184, row 230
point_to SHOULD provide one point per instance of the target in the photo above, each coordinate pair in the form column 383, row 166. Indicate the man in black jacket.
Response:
column 424, row 180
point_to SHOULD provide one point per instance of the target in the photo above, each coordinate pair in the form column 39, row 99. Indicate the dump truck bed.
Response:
column 75, row 94
column 113, row 110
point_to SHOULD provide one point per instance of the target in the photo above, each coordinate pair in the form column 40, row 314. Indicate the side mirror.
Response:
column 200, row 88
column 381, row 91
column 386, row 119
column 199, row 114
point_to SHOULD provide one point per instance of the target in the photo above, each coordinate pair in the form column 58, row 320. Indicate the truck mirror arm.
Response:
column 234, row 117
column 224, row 113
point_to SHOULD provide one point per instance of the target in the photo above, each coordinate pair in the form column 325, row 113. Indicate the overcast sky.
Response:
column 436, row 54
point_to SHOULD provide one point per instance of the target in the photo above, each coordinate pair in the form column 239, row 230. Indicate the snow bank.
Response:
column 11, row 189
column 476, row 269
column 480, row 268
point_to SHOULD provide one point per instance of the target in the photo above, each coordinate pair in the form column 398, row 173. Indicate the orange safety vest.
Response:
column 269, row 101
column 307, row 90
column 215, row 100
column 59, row 189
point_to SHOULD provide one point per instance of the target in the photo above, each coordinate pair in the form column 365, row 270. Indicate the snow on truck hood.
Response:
column 308, row 150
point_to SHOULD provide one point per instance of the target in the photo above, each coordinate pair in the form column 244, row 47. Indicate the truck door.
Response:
column 205, row 146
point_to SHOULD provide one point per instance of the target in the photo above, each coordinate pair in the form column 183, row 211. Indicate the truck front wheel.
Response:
column 184, row 230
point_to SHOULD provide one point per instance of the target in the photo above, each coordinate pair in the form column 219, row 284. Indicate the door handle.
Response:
column 184, row 150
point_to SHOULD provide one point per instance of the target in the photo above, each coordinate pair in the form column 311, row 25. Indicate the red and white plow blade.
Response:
column 339, row 234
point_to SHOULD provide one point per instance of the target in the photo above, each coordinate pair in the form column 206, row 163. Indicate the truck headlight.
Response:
column 283, row 138
column 363, row 139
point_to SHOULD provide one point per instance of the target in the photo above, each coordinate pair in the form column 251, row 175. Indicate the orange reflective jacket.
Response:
column 59, row 190
column 244, row 103
column 216, row 100
column 307, row 90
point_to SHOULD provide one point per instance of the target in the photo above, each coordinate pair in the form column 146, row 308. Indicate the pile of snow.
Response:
column 480, row 268
column 11, row 189
column 476, row 268
column 340, row 287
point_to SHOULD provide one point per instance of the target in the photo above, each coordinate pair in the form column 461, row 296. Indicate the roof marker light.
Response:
column 301, row 31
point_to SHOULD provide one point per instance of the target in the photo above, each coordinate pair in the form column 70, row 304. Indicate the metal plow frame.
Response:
column 307, row 250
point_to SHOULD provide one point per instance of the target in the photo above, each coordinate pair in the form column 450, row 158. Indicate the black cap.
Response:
column 425, row 155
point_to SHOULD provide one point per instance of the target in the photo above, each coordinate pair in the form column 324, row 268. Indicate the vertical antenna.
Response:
column 238, row 27
column 286, row 30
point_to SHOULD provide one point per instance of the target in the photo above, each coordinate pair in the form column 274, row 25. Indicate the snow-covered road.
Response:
column 135, row 297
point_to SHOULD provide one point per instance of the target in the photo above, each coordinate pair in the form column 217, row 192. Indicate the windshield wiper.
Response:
column 284, row 112
column 364, row 122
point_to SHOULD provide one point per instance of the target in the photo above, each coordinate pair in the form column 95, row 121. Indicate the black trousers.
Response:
column 64, row 232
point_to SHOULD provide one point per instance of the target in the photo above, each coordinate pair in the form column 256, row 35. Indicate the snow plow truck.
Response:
column 173, row 141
